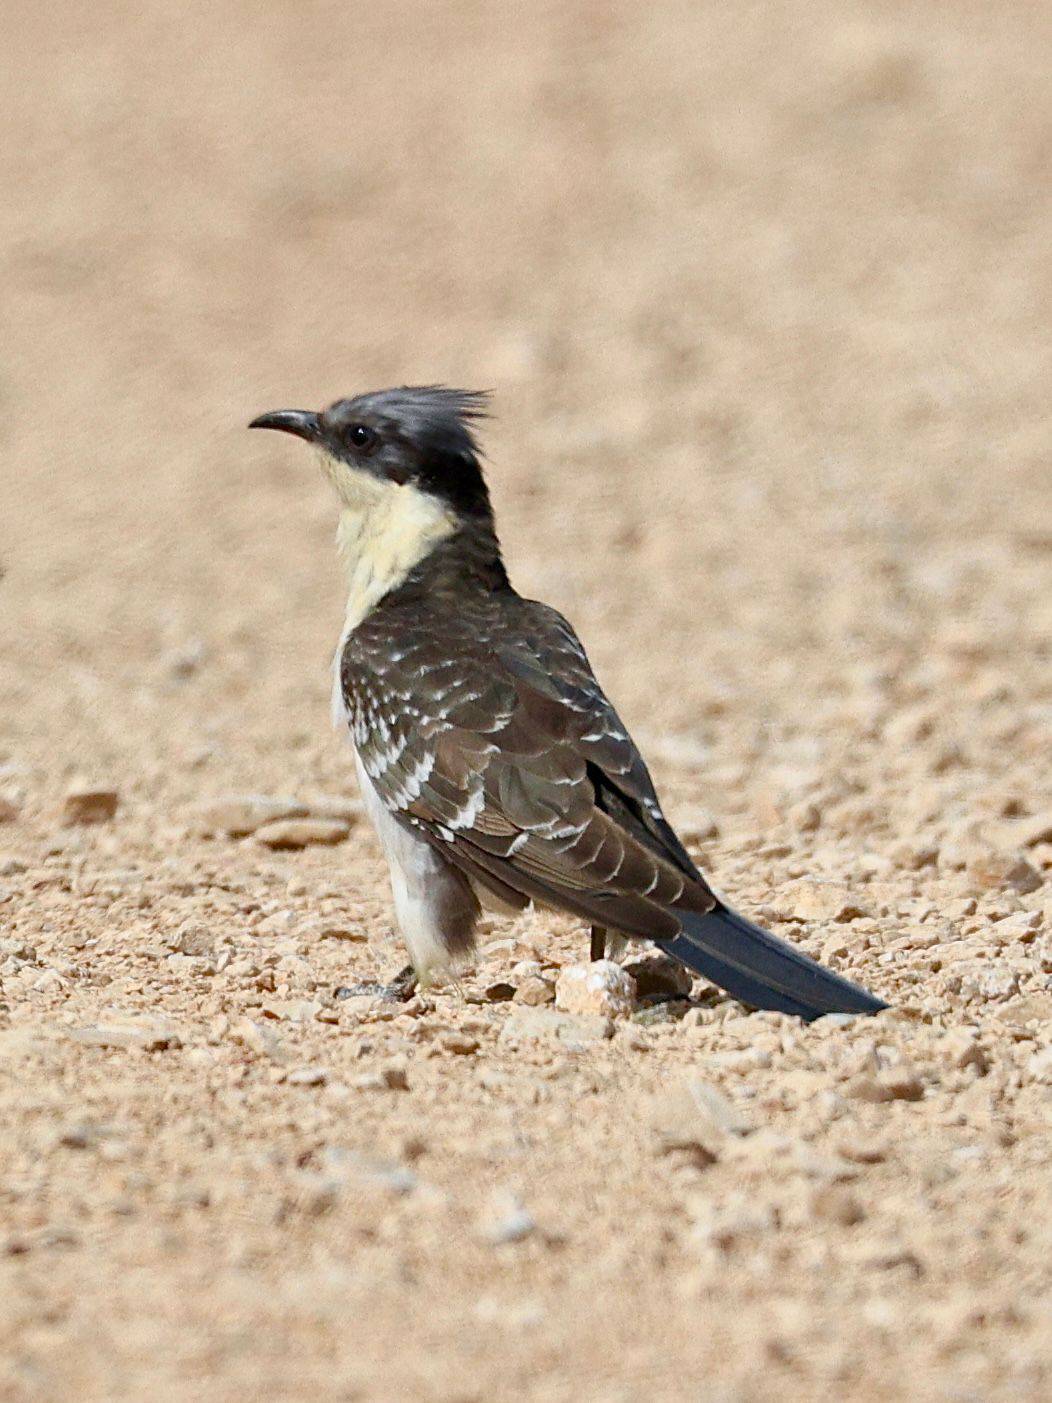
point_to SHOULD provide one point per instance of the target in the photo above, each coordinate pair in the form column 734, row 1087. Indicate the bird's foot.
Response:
column 400, row 989
column 598, row 945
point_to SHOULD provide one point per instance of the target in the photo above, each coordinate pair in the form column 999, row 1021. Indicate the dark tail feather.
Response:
column 759, row 969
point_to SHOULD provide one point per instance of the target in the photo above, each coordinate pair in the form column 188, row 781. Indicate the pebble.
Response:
column 548, row 1024
column 235, row 816
column 1027, row 1008
column 1039, row 1067
column 656, row 973
column 804, row 816
column 501, row 992
column 902, row 1083
column 148, row 1034
column 697, row 826
column 256, row 1036
column 534, row 990
column 962, row 1049
column 459, row 1043
column 833, row 1203
column 807, row 900
column 730, row 1224
column 992, row 870
column 8, row 810
column 292, row 834
column 693, row 1117
column 506, row 1220
column 988, row 980
column 292, row 1010
column 601, row 989
column 334, row 806
column 897, row 1084
column 338, row 930
column 89, row 804
column 389, row 1076
column 1028, row 832
column 307, row 1076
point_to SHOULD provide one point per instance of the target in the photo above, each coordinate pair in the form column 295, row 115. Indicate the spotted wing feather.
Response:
column 490, row 735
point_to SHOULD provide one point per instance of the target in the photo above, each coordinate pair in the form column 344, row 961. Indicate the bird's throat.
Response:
column 385, row 530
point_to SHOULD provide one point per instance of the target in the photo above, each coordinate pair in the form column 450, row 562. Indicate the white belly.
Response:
column 434, row 905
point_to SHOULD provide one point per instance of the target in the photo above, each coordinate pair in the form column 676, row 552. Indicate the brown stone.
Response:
column 89, row 804
column 291, row 834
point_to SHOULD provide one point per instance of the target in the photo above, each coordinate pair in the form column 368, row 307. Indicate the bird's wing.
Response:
column 491, row 736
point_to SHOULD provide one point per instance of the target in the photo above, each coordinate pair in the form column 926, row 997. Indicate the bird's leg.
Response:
column 598, row 950
column 402, row 987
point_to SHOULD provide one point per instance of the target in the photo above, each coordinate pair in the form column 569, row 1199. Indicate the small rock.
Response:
column 257, row 1037
column 89, row 804
column 867, row 1088
column 985, row 979
column 963, row 1049
column 1028, row 1008
column 459, row 1043
column 730, row 1224
column 394, row 1075
column 238, row 815
column 1020, row 925
column 333, row 806
column 1039, row 1067
column 12, row 866
column 913, row 856
column 694, row 1117
column 1028, row 832
column 548, row 1024
column 861, row 1151
column 808, row 900
column 8, row 810
column 389, row 1076
column 307, row 1076
column 507, row 1220
column 902, row 1083
column 387, row 1175
column 501, row 992
column 656, row 973
column 182, row 662
column 601, row 989
column 994, row 870
column 339, row 930
column 534, row 990
column 292, row 1010
column 195, row 940
column 697, row 826
column 291, row 834
column 147, row 1034
column 81, row 1137
column 804, row 816
column 833, row 1203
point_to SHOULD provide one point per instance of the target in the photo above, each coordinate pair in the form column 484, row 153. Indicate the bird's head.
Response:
column 416, row 439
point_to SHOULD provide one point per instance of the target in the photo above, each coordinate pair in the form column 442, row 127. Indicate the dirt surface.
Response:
column 763, row 292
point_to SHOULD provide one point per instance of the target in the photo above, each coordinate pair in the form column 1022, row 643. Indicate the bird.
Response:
column 490, row 761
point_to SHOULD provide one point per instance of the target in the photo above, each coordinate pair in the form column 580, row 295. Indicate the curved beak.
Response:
column 301, row 422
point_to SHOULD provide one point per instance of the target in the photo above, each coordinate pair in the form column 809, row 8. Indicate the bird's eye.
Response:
column 360, row 436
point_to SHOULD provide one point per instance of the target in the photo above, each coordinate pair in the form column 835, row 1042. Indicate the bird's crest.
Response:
column 437, row 418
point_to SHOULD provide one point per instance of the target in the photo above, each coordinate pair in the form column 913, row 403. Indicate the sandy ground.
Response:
column 763, row 292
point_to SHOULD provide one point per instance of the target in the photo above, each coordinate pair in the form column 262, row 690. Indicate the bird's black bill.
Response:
column 301, row 422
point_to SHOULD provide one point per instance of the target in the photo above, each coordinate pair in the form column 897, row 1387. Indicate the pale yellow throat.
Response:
column 385, row 529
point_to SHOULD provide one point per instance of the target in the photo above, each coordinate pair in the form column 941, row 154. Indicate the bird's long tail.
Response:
column 755, row 966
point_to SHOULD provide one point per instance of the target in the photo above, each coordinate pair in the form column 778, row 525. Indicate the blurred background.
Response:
column 763, row 295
